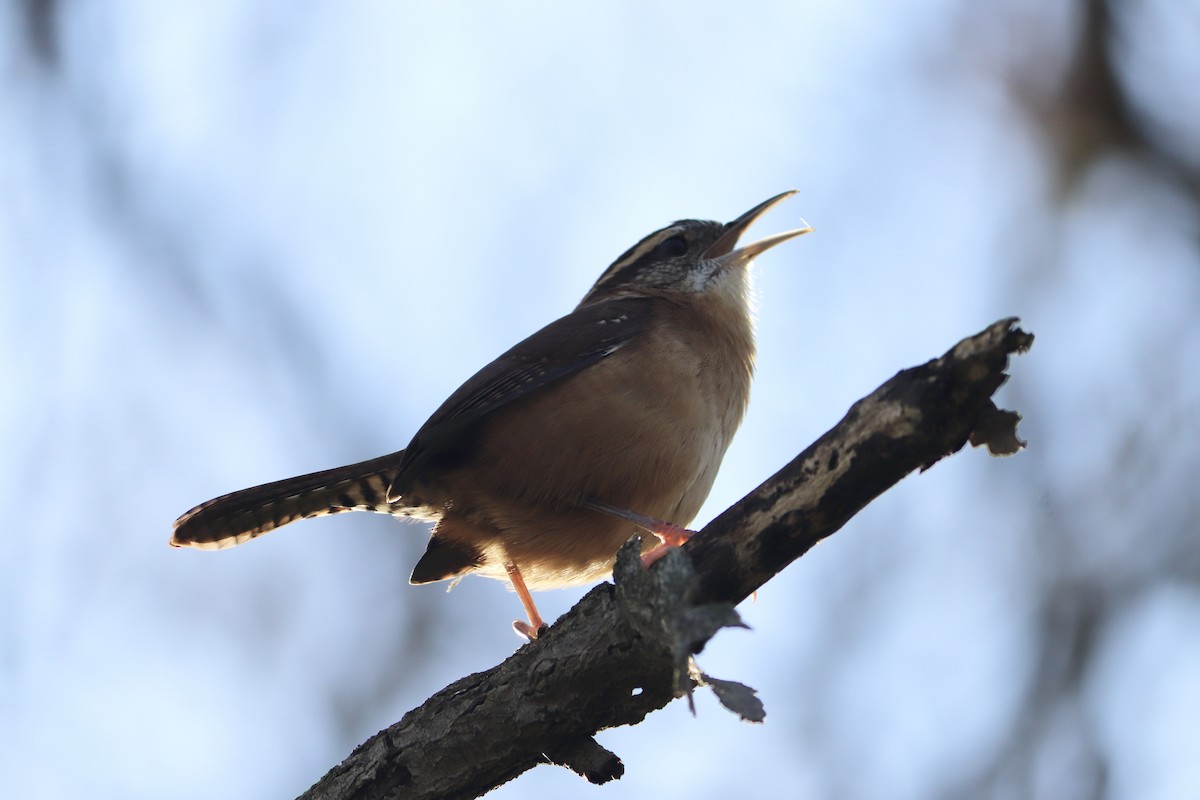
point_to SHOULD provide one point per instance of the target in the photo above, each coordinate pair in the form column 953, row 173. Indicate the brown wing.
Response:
column 562, row 348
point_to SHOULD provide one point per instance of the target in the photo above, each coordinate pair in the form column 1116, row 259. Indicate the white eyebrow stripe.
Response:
column 640, row 249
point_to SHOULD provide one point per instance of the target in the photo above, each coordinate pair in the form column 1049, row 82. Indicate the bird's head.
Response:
column 689, row 258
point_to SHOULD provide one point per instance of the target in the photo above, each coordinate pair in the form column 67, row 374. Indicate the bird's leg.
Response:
column 669, row 534
column 529, row 629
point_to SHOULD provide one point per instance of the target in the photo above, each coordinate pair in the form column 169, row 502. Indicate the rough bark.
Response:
column 623, row 651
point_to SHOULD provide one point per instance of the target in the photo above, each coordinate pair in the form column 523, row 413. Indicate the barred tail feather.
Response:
column 240, row 516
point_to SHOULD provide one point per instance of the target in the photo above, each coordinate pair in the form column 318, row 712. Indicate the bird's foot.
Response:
column 527, row 631
column 669, row 534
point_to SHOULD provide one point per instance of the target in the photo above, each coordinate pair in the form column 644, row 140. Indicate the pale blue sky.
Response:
column 245, row 240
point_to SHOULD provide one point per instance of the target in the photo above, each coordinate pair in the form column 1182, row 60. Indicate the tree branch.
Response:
column 623, row 651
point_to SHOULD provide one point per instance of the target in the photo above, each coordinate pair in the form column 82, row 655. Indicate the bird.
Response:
column 608, row 421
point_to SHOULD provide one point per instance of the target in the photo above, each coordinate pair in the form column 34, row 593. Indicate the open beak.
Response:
column 722, row 248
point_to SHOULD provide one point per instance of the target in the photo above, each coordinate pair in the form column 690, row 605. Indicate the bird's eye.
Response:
column 674, row 246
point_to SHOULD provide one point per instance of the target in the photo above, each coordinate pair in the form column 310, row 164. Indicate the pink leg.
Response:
column 531, row 629
column 670, row 534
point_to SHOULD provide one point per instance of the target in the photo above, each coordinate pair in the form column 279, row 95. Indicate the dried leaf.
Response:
column 737, row 697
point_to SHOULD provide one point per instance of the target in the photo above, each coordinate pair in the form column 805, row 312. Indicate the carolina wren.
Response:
column 536, row 470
